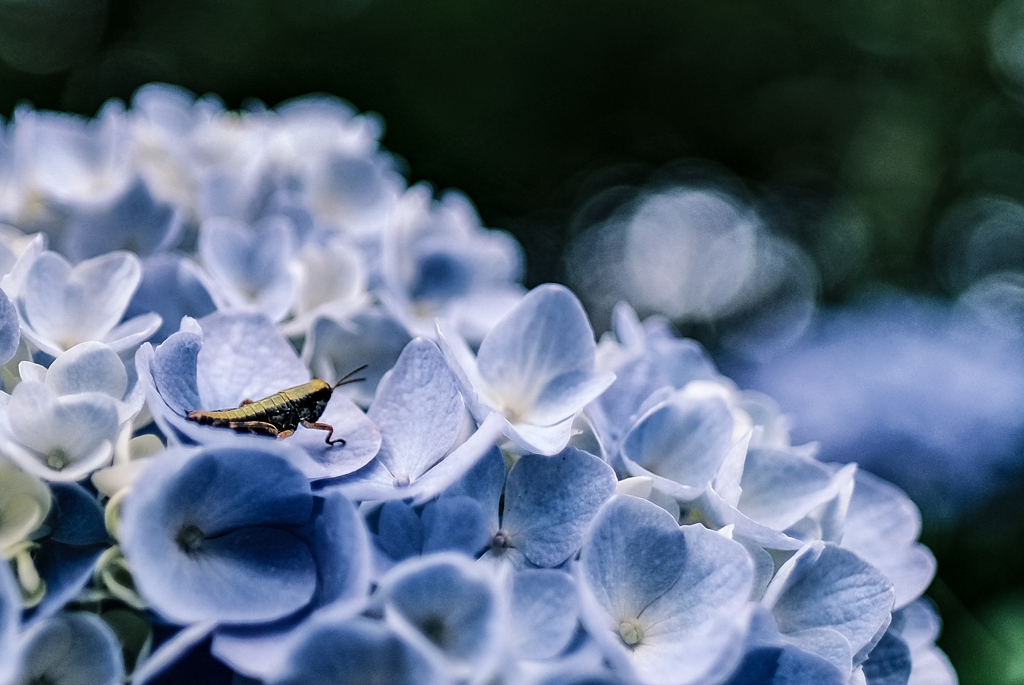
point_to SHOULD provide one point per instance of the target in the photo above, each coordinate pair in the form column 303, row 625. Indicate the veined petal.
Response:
column 546, row 340
column 418, row 409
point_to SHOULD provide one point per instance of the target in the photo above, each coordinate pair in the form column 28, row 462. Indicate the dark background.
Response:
column 897, row 109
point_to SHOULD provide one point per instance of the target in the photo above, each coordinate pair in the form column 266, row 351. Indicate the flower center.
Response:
column 190, row 538
column 402, row 480
column 631, row 632
column 501, row 540
column 57, row 459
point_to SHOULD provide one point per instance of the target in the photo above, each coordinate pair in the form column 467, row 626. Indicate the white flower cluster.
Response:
column 479, row 492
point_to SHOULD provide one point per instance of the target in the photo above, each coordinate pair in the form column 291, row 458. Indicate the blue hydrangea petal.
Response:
column 341, row 546
column 781, row 486
column 828, row 643
column 172, row 286
column 889, row 662
column 449, row 607
column 75, row 518
column 632, row 554
column 717, row 578
column 824, row 586
column 135, row 221
column 248, row 566
column 65, row 569
column 64, row 305
column 361, row 435
column 353, row 652
column 10, row 329
column 243, row 356
column 418, row 409
column 457, row 462
column 683, row 441
column 696, row 627
column 464, row 366
column 133, row 332
column 168, row 374
column 785, row 665
column 454, row 524
column 882, row 526
column 531, row 379
column 76, row 648
column 399, row 530
column 88, row 367
column 78, row 430
column 10, row 619
column 484, row 483
column 550, row 501
column 250, row 265
column 544, row 612
column 540, row 439
column 371, row 337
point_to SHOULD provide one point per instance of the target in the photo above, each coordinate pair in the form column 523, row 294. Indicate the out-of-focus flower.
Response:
column 72, row 647
column 439, row 263
column 62, row 305
column 923, row 393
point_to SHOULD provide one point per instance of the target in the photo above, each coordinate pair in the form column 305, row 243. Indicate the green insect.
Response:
column 281, row 413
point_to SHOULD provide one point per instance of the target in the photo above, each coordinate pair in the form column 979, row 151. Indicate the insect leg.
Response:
column 254, row 427
column 324, row 427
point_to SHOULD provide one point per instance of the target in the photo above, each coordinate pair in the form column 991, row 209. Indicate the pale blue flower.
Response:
column 420, row 414
column 134, row 221
column 354, row 652
column 230, row 535
column 451, row 609
column 535, row 369
column 882, row 526
column 440, row 263
column 249, row 265
column 72, row 648
column 173, row 286
column 72, row 160
column 57, row 437
column 62, row 305
column 10, row 623
column 830, row 602
column 549, row 502
column 666, row 603
column 683, row 441
column 779, row 498
column 61, row 423
column 340, row 545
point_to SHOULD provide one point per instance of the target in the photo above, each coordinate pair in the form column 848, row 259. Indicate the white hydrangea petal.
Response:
column 418, row 409
column 88, row 367
column 24, row 502
column 63, row 306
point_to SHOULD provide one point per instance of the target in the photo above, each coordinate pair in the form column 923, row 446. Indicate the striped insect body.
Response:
column 281, row 413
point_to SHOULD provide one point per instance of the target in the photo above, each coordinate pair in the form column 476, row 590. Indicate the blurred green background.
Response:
column 856, row 121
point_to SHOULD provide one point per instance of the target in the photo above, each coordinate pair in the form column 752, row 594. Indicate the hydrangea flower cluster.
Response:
column 499, row 499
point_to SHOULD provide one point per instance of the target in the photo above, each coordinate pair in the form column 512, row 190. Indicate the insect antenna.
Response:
column 347, row 378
